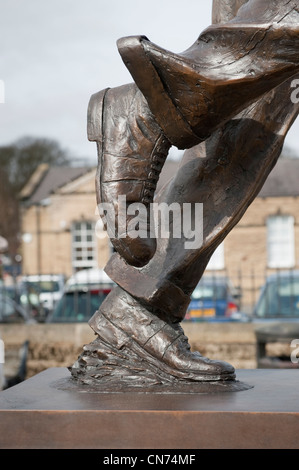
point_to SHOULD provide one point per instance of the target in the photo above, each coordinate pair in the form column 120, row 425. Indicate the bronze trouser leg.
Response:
column 138, row 322
column 239, row 157
column 229, row 67
column 170, row 277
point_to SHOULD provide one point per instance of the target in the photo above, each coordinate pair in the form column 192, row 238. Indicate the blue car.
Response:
column 213, row 300
column 279, row 298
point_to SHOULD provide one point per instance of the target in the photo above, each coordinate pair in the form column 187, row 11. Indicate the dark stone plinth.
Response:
column 49, row 411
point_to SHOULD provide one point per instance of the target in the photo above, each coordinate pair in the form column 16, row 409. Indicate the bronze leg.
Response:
column 138, row 325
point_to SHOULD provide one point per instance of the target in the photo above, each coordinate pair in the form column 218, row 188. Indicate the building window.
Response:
column 280, row 241
column 84, row 252
column 217, row 259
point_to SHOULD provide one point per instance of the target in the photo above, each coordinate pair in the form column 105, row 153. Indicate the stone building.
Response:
column 59, row 219
column 59, row 226
column 266, row 239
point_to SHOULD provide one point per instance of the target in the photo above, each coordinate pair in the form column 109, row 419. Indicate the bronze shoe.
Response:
column 229, row 67
column 132, row 150
column 161, row 344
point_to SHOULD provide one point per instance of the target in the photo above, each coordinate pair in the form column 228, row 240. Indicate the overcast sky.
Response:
column 55, row 53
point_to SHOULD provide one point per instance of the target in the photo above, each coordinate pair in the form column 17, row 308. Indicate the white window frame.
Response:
column 281, row 241
column 85, row 230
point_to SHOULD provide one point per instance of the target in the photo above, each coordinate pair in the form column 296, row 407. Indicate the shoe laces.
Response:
column 158, row 157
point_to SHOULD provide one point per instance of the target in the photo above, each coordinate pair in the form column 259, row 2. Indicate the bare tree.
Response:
column 17, row 163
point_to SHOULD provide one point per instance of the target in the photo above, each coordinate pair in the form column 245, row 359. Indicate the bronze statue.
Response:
column 227, row 101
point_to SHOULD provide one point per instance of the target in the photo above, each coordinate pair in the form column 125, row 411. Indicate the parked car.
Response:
column 214, row 299
column 78, row 305
column 40, row 293
column 276, row 319
column 12, row 312
column 83, row 294
column 11, row 291
column 279, row 298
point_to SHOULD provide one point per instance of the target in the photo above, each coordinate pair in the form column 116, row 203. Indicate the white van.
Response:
column 88, row 278
column 42, row 291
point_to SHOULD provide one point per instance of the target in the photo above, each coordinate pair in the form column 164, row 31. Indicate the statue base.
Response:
column 48, row 411
column 135, row 347
column 106, row 369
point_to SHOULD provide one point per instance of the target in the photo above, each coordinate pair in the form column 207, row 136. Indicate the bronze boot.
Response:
column 229, row 67
column 132, row 150
column 157, row 343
